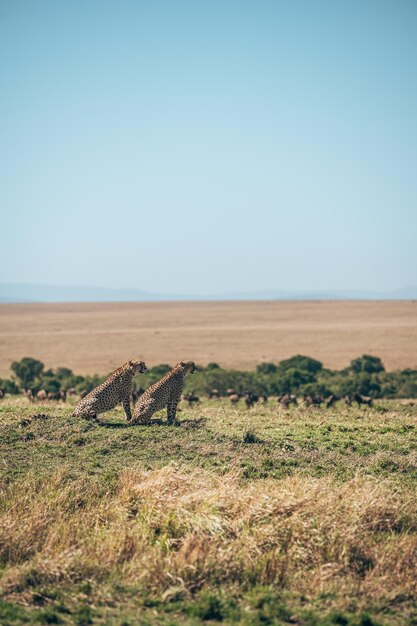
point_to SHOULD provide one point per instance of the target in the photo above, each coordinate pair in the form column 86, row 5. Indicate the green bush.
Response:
column 300, row 362
column 27, row 370
column 298, row 375
column 368, row 364
column 213, row 366
column 266, row 368
column 9, row 386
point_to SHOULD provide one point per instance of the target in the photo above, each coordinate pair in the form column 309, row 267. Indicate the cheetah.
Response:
column 117, row 388
column 165, row 393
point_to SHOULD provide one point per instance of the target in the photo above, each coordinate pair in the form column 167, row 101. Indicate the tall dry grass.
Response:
column 178, row 529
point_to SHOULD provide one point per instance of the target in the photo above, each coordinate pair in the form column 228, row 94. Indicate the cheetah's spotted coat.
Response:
column 117, row 388
column 165, row 393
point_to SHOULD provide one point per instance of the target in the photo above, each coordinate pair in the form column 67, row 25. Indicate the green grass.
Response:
column 339, row 442
column 62, row 478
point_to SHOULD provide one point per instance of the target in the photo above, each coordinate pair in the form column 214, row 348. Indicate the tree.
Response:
column 49, row 383
column 290, row 380
column 64, row 372
column 300, row 362
column 9, row 386
column 368, row 364
column 213, row 366
column 314, row 389
column 27, row 370
column 161, row 370
column 266, row 368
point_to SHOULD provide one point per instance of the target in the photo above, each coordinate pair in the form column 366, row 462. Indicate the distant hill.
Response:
column 15, row 293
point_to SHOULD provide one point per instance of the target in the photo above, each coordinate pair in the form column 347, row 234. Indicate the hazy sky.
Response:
column 209, row 146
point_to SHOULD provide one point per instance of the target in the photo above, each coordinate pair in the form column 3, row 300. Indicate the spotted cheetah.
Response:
column 117, row 388
column 165, row 393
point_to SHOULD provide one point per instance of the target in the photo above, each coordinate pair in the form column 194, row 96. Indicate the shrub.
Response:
column 299, row 374
column 367, row 363
column 27, row 370
column 266, row 368
column 50, row 384
column 9, row 386
column 300, row 362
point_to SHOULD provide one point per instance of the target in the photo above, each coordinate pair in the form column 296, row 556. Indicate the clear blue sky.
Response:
column 200, row 147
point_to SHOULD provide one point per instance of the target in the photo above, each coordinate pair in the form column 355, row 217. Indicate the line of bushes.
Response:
column 303, row 375
column 299, row 375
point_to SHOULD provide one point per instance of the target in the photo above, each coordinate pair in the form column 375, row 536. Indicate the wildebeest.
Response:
column 234, row 398
column 313, row 400
column 191, row 398
column 2, row 393
column 361, row 399
column 287, row 399
column 136, row 393
column 42, row 395
column 250, row 399
column 213, row 393
column 57, row 395
column 331, row 401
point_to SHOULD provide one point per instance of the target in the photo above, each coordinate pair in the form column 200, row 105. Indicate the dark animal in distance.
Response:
column 250, row 399
column 234, row 398
column 287, row 399
column 136, row 394
column 57, row 395
column 331, row 401
column 213, row 393
column 191, row 398
column 361, row 399
column 313, row 400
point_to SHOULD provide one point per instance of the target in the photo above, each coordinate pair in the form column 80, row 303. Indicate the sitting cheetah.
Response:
column 165, row 393
column 117, row 388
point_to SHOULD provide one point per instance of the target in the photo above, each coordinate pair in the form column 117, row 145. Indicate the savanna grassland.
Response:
column 94, row 338
column 267, row 516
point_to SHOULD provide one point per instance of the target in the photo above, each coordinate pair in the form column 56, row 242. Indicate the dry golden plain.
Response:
column 97, row 337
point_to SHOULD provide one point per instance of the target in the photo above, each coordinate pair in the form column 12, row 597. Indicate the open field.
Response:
column 300, row 516
column 97, row 337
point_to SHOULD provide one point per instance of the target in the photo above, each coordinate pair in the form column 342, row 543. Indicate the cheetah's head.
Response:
column 188, row 367
column 138, row 367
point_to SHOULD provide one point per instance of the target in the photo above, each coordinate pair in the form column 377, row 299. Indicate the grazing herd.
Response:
column 166, row 393
column 288, row 399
